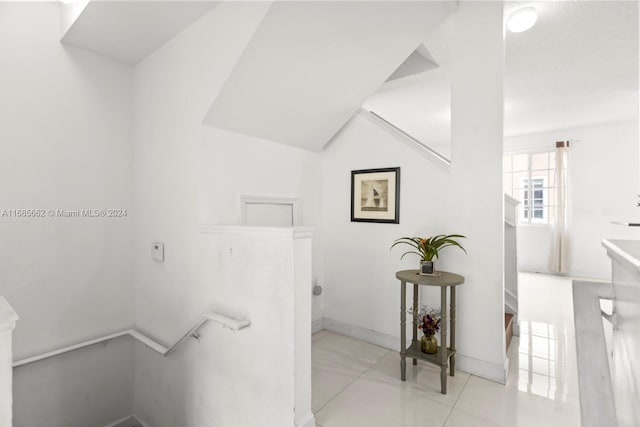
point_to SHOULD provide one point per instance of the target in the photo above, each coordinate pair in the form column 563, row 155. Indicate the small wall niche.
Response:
column 269, row 211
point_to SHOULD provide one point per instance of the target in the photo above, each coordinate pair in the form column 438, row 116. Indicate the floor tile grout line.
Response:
column 446, row 420
column 462, row 391
column 478, row 417
column 349, row 385
column 551, row 364
column 453, row 407
column 467, row 413
column 426, row 396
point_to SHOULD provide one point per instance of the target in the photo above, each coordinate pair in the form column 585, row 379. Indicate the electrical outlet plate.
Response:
column 157, row 251
column 229, row 251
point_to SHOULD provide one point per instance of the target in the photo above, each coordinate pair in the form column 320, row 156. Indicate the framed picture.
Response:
column 375, row 195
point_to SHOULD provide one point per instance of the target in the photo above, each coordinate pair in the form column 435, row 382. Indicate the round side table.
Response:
column 446, row 355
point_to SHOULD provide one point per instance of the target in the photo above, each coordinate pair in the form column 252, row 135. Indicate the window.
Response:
column 534, row 206
column 529, row 178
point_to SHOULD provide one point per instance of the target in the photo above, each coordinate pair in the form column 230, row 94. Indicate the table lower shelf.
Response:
column 414, row 352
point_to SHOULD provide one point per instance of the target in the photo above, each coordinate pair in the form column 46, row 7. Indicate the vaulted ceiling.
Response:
column 128, row 31
column 577, row 66
column 311, row 65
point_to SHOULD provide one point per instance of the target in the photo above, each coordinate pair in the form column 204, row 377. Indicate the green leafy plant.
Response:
column 429, row 248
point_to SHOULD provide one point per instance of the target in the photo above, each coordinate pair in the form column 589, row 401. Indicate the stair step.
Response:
column 508, row 329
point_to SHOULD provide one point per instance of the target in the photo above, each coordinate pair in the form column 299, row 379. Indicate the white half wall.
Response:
column 603, row 178
column 256, row 376
column 234, row 165
column 8, row 319
column 187, row 174
column 361, row 289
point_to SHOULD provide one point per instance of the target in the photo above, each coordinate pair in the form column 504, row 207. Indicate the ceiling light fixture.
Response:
column 522, row 19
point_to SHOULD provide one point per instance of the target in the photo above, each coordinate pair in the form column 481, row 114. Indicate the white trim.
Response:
column 8, row 316
column 308, row 421
column 270, row 200
column 483, row 369
column 317, row 325
column 126, row 422
column 358, row 332
column 480, row 368
column 282, row 232
column 530, row 207
column 225, row 321
column 428, row 152
column 511, row 200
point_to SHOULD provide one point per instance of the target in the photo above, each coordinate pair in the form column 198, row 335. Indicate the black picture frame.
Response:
column 375, row 195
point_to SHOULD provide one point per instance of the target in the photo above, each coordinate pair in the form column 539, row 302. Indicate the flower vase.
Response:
column 429, row 344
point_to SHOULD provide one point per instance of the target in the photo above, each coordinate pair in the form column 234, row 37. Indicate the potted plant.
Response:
column 428, row 248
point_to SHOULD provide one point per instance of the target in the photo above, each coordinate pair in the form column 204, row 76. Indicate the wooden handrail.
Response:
column 225, row 321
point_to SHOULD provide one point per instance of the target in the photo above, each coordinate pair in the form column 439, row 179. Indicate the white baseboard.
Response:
column 358, row 332
column 131, row 421
column 317, row 325
column 308, row 421
column 470, row 365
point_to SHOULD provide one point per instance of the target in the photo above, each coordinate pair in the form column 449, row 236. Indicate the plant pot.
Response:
column 427, row 268
column 429, row 344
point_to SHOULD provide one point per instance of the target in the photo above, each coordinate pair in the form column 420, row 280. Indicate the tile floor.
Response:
column 358, row 384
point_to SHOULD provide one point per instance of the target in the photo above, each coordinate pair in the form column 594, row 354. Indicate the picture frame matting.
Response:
column 375, row 195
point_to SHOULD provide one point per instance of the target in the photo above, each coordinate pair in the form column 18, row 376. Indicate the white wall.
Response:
column 173, row 90
column 65, row 123
column 603, row 178
column 88, row 387
column 362, row 292
column 234, row 165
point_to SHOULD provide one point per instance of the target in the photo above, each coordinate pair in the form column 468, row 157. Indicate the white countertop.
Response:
column 626, row 252
column 596, row 390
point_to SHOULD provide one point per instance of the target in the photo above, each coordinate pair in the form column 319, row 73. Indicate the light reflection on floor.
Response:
column 542, row 359
column 358, row 384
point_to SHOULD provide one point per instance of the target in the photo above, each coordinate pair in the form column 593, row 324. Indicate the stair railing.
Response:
column 193, row 332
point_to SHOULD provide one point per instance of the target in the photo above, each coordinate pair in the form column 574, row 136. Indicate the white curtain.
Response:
column 559, row 262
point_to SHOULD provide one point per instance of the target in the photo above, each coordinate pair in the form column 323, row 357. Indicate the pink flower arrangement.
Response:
column 429, row 321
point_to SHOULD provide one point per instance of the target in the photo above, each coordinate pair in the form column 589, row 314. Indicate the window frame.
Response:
column 518, row 189
column 528, row 206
